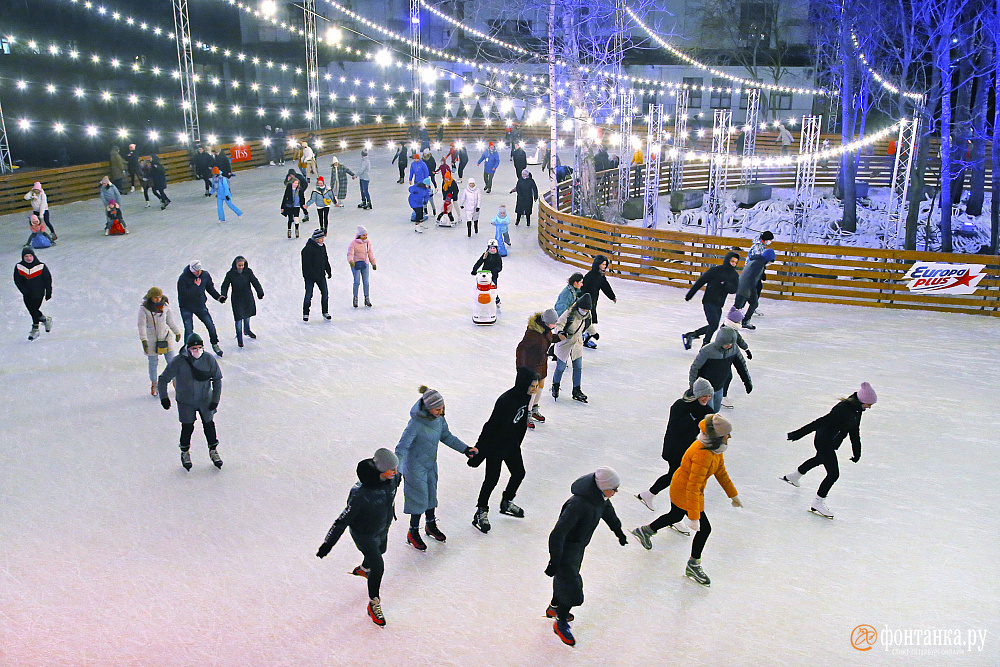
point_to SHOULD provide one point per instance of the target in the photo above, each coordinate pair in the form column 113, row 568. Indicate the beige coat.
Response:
column 157, row 326
column 573, row 326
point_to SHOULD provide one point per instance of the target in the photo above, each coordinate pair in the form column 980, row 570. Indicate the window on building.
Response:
column 781, row 101
column 4, row 46
column 756, row 23
column 721, row 97
column 694, row 84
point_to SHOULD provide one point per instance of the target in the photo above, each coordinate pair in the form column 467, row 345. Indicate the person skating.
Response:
column 417, row 451
column 114, row 219
column 359, row 256
column 746, row 291
column 192, row 286
column 470, row 201
column 527, row 195
column 399, row 159
column 109, row 192
column 594, row 283
column 428, row 160
column 733, row 320
column 418, row 170
column 419, row 194
column 719, row 282
column 158, row 175
column 682, row 428
column 501, row 221
column 197, row 389
column 315, row 270
column 532, row 352
column 223, row 162
column 156, row 326
column 40, row 206
column 463, row 160
column 203, row 164
column 449, row 193
column 499, row 444
column 322, row 198
column 492, row 159
column 34, row 281
column 578, row 519
column 844, row 420
column 703, row 459
column 715, row 363
column 492, row 262
column 291, row 202
column 569, row 294
column 364, row 176
column 572, row 325
column 132, row 160
column 520, row 160
column 369, row 513
column 244, row 283
column 223, row 194
column 118, row 168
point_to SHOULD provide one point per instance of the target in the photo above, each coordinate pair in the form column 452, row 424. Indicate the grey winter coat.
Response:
column 364, row 173
column 338, row 175
column 750, row 275
column 109, row 192
column 715, row 363
column 189, row 390
column 417, row 452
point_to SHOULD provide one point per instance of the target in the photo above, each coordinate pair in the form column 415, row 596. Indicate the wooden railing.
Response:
column 802, row 272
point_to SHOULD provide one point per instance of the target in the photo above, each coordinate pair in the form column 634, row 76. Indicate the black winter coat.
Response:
column 158, row 175
column 831, row 429
column 287, row 201
column 223, row 163
column 192, row 297
column 370, row 505
column 33, row 279
column 504, row 430
column 527, row 195
column 203, row 163
column 595, row 282
column 682, row 428
column 489, row 262
column 520, row 161
column 242, row 300
column 463, row 157
column 315, row 262
column 719, row 281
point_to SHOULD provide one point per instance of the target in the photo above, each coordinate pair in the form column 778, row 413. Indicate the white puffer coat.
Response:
column 157, row 326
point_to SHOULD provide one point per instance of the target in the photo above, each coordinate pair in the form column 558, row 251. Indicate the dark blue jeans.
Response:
column 324, row 295
column 206, row 318
column 713, row 314
column 364, row 192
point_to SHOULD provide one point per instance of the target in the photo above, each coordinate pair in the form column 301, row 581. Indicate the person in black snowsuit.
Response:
column 715, row 363
column 132, row 160
column 594, row 283
column 369, row 513
column 192, row 285
column 490, row 261
column 197, row 381
column 158, row 176
column 399, row 159
column 203, row 163
column 463, row 160
column 719, row 281
column 315, row 271
column 520, row 161
column 844, row 420
column 578, row 519
column 527, row 195
column 500, row 443
column 34, row 282
column 243, row 282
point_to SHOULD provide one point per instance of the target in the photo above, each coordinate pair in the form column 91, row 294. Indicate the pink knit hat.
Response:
column 866, row 394
column 38, row 185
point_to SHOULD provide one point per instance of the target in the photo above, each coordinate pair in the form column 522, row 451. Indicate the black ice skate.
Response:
column 413, row 539
column 481, row 520
column 694, row 572
column 432, row 530
column 578, row 395
column 375, row 612
column 555, row 391
column 214, row 455
column 510, row 509
column 186, row 460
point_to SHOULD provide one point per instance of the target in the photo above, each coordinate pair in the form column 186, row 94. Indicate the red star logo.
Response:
column 965, row 280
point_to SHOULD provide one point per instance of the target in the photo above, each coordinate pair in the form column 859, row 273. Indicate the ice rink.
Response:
column 112, row 554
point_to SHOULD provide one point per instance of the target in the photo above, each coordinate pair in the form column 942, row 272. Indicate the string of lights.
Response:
column 882, row 81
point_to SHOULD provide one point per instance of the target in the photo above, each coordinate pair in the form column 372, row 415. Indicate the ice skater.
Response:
column 292, row 201
column 40, row 206
column 34, row 281
column 703, row 459
column 532, row 352
column 569, row 294
column 527, row 195
column 578, row 519
column 594, row 283
column 156, row 327
column 244, row 283
column 492, row 262
column 192, row 286
column 417, row 451
column 501, row 222
column 359, row 256
column 842, row 421
column 572, row 326
column 499, row 444
column 223, row 195
column 470, row 201
column 492, row 159
column 733, row 320
column 747, row 291
column 369, row 513
column 198, row 390
column 715, row 363
column 419, row 194
column 449, row 192
column 719, row 281
column 322, row 198
column 315, row 270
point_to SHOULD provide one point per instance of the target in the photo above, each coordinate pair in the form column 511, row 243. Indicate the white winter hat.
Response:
column 607, row 479
column 472, row 181
column 362, row 231
column 195, row 265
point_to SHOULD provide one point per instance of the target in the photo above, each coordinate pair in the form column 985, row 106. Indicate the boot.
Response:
column 375, row 612
column 152, row 389
column 819, row 507
column 296, row 230
column 793, row 478
column 561, row 628
column 327, row 316
column 550, row 612
column 250, row 333
column 214, row 455
column 481, row 520
column 475, row 224
column 469, row 226
column 644, row 535
column 694, row 571
column 368, row 304
column 726, row 403
column 536, row 415
column 578, row 395
column 186, row 459
column 218, row 350
column 33, row 334
column 647, row 499
column 48, row 324
column 432, row 530
column 510, row 509
column 413, row 539
column 555, row 391
column 686, row 340
column 289, row 232
column 355, row 302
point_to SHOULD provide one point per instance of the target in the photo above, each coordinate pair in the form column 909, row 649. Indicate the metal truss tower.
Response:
column 718, row 169
column 805, row 173
column 6, row 164
column 651, row 190
column 626, row 102
column 312, row 68
column 185, row 62
column 680, row 140
column 748, row 173
column 905, row 147
column 415, row 56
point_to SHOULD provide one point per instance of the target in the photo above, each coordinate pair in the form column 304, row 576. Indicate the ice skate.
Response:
column 555, row 391
column 355, row 302
column 368, row 304
column 726, row 403
column 214, row 455
column 481, row 520
column 550, row 612
column 296, row 231
column 152, row 390
column 250, row 333
column 819, row 507
column 327, row 316
column 793, row 478
column 749, row 326
column 647, row 499
column 578, row 395
column 413, row 539
column 217, row 349
column 686, row 340
column 147, row 204
column 588, row 342
column 531, row 425
column 360, row 571
column 679, row 527
column 186, row 460
column 693, row 571
column 305, row 318
column 644, row 534
column 33, row 334
column 510, row 509
column 432, row 530
column 289, row 233
column 375, row 612
column 536, row 415
column 561, row 628
column 48, row 324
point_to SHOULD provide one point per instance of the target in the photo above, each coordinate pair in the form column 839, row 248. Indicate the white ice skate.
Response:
column 647, row 499
column 793, row 478
column 819, row 507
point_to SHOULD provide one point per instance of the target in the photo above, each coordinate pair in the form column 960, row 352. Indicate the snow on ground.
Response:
column 112, row 554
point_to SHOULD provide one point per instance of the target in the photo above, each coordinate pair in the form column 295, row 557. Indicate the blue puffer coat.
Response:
column 417, row 452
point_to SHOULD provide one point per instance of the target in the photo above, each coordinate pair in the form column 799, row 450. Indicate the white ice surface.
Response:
column 112, row 554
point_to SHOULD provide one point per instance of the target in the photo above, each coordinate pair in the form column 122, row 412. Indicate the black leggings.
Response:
column 324, row 217
column 188, row 429
column 515, row 464
column 664, row 480
column 44, row 217
column 372, row 549
column 292, row 213
column 713, row 315
column 160, row 194
column 415, row 518
column 676, row 514
column 527, row 216
column 34, row 306
column 208, row 181
column 828, row 459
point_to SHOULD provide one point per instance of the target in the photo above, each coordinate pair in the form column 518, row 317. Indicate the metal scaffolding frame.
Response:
column 6, row 164
column 905, row 149
column 748, row 173
column 625, row 107
column 415, row 56
column 312, row 68
column 185, row 65
column 651, row 189
column 718, row 170
column 680, row 139
column 805, row 173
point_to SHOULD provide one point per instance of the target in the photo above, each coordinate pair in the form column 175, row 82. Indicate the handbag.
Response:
column 327, row 201
column 162, row 347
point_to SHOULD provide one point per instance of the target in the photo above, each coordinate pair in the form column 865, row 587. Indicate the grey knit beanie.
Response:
column 385, row 459
column 550, row 316
column 432, row 398
column 702, row 387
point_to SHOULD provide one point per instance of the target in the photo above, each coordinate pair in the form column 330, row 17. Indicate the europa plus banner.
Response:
column 940, row 278
column 239, row 153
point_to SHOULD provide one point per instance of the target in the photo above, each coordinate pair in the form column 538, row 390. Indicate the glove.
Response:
column 213, row 406
column 855, row 459
column 352, row 264
column 470, row 451
column 472, row 273
column 596, row 336
column 748, row 386
column 749, row 355
column 374, row 268
column 622, row 540
column 165, row 402
column 260, row 296
column 687, row 297
column 329, row 274
column 324, row 549
column 177, row 338
column 694, row 524
column 736, row 501
column 145, row 347
column 222, row 299
column 550, row 569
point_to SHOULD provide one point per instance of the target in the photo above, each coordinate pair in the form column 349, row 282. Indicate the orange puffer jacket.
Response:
column 687, row 488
